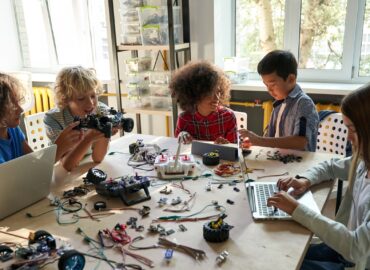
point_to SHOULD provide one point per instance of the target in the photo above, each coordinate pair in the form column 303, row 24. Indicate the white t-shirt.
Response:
column 277, row 131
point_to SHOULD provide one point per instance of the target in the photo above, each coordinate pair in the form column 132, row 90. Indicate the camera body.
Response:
column 104, row 122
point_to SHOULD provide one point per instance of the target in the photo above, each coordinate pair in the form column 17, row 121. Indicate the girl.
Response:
column 12, row 139
column 202, row 90
column 346, row 240
column 76, row 90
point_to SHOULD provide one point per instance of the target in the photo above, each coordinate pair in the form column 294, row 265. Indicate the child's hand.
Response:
column 93, row 135
column 221, row 140
column 299, row 185
column 253, row 137
column 184, row 137
column 283, row 201
column 68, row 138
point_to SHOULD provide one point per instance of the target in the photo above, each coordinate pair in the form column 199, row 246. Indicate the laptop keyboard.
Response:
column 263, row 192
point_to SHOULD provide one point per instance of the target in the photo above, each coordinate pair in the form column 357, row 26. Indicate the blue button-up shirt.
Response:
column 299, row 118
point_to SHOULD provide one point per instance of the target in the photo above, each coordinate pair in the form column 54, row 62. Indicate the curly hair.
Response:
column 72, row 81
column 197, row 80
column 11, row 93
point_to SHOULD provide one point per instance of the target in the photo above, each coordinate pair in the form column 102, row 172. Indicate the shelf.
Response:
column 178, row 47
column 148, row 110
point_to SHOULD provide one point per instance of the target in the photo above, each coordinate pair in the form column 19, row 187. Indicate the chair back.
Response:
column 332, row 135
column 241, row 120
column 36, row 133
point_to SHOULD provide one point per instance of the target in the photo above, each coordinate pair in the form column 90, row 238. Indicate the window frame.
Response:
column 352, row 42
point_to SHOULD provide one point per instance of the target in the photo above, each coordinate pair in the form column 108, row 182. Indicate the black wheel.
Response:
column 43, row 236
column 95, row 176
column 216, row 235
column 71, row 260
column 211, row 158
column 5, row 253
column 128, row 124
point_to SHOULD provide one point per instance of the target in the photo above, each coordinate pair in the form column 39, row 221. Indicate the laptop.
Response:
column 25, row 180
column 259, row 192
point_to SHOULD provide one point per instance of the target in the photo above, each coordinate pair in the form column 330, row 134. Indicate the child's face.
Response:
column 352, row 134
column 83, row 104
column 14, row 115
column 277, row 87
column 209, row 104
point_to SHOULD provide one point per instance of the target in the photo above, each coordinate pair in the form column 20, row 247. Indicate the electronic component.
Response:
column 221, row 258
column 172, row 167
column 105, row 121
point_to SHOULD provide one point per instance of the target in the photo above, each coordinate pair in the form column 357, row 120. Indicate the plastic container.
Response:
column 157, row 34
column 127, row 4
column 138, row 64
column 131, row 28
column 129, row 15
column 131, row 39
column 159, row 90
column 160, row 77
column 160, row 102
column 157, row 15
column 138, row 89
column 138, row 102
column 138, row 78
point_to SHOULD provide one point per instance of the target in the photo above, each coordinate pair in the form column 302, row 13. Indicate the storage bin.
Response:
column 138, row 64
column 159, row 90
column 129, row 16
column 131, row 39
column 130, row 28
column 160, row 77
column 157, row 34
column 138, row 78
column 127, row 4
column 160, row 102
column 138, row 102
column 157, row 15
column 138, row 89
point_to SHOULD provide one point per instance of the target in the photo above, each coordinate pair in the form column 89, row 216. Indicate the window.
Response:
column 58, row 33
column 330, row 38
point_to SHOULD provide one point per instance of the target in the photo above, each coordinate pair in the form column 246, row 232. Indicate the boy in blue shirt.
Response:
column 12, row 139
column 294, row 120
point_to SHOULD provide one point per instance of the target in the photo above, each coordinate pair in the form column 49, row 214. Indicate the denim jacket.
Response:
column 299, row 118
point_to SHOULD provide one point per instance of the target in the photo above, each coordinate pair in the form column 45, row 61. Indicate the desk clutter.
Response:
column 169, row 178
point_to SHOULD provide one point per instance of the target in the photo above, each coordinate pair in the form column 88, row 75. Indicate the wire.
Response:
column 194, row 253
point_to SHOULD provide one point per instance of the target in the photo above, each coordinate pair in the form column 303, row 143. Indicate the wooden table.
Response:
column 252, row 244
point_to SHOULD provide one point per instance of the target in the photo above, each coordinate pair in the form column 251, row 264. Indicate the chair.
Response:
column 241, row 119
column 332, row 138
column 36, row 133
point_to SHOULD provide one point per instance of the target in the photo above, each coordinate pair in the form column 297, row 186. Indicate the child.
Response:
column 347, row 238
column 76, row 91
column 294, row 120
column 12, row 139
column 201, row 90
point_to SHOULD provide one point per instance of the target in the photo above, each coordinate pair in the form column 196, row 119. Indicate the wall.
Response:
column 10, row 58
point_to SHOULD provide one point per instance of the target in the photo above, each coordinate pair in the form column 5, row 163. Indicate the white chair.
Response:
column 241, row 119
column 332, row 138
column 36, row 133
column 332, row 135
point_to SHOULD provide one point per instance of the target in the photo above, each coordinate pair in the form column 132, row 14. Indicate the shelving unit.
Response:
column 172, row 50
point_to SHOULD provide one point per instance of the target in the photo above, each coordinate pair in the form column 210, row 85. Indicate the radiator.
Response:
column 44, row 100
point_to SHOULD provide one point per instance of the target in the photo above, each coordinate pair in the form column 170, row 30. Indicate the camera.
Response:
column 104, row 122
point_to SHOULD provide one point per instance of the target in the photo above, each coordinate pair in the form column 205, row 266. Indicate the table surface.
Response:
column 252, row 244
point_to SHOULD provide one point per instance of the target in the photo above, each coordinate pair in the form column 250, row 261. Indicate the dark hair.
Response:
column 356, row 106
column 196, row 80
column 11, row 92
column 281, row 62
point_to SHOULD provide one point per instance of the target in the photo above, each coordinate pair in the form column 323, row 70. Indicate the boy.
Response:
column 201, row 90
column 76, row 91
column 294, row 120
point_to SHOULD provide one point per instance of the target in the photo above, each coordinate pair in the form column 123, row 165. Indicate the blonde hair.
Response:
column 72, row 81
column 11, row 94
